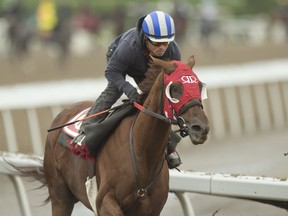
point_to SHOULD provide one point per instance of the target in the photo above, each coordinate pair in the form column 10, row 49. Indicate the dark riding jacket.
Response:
column 128, row 54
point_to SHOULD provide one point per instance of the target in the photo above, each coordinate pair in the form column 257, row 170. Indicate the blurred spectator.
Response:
column 4, row 48
column 279, row 25
column 208, row 21
column 46, row 17
column 181, row 18
column 54, row 27
column 19, row 34
column 118, row 18
column 86, row 19
column 286, row 19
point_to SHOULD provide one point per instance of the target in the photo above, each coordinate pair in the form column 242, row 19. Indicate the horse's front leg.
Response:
column 108, row 206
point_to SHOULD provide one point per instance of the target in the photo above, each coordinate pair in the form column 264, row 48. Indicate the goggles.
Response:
column 157, row 44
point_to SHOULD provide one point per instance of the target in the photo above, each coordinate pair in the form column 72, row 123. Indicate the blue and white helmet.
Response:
column 158, row 26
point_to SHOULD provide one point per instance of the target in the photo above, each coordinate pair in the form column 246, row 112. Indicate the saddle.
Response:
column 96, row 133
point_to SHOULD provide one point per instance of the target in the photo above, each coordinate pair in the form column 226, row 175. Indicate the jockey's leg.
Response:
column 173, row 157
column 106, row 99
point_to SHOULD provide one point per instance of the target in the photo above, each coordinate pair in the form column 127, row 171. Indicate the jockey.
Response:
column 129, row 55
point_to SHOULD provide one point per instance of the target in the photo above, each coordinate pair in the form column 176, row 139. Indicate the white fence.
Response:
column 242, row 99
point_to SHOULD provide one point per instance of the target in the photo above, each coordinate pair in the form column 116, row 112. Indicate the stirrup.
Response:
column 174, row 160
column 77, row 141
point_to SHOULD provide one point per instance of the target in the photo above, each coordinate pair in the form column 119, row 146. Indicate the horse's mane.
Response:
column 150, row 77
column 156, row 68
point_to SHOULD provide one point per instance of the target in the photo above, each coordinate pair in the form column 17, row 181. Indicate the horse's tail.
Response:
column 35, row 173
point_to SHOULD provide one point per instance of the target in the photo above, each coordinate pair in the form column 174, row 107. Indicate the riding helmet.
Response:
column 158, row 26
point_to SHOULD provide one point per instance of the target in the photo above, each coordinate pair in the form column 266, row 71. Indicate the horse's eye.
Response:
column 176, row 90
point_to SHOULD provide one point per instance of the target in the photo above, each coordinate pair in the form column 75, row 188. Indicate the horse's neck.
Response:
column 152, row 133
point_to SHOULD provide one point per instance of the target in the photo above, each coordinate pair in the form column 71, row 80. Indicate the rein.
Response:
column 155, row 115
column 141, row 191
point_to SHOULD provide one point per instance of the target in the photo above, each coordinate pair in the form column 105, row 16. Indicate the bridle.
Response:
column 183, row 129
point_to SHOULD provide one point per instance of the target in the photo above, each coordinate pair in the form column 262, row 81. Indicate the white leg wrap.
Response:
column 91, row 190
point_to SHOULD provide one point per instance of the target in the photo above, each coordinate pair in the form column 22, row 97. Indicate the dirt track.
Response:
column 255, row 155
column 40, row 66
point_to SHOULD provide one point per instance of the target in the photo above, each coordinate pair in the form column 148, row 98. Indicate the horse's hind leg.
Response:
column 62, row 199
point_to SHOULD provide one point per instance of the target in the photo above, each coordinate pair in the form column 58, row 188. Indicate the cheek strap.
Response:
column 189, row 105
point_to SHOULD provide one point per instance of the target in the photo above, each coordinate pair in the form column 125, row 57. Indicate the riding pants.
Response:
column 106, row 99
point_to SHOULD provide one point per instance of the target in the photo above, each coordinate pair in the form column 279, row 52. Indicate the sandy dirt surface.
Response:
column 40, row 65
column 260, row 154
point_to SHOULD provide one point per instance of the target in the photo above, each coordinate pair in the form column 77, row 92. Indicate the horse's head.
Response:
column 184, row 93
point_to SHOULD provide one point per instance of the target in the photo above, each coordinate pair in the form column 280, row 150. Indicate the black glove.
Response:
column 133, row 95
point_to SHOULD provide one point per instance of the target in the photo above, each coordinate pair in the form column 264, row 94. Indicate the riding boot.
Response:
column 173, row 157
column 107, row 98
column 174, row 160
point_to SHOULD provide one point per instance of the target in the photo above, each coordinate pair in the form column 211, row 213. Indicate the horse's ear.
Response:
column 168, row 67
column 191, row 61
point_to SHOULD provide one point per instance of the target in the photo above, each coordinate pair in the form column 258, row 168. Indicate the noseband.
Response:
column 183, row 128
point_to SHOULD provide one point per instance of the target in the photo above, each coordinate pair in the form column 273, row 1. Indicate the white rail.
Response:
column 243, row 99
column 253, row 187
column 181, row 183
column 40, row 94
column 5, row 168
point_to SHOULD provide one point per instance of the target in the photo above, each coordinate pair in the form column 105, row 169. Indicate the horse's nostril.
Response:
column 200, row 129
column 196, row 128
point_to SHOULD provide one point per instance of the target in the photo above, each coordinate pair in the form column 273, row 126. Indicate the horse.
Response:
column 131, row 172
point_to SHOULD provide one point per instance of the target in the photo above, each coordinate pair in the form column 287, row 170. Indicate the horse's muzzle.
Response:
column 198, row 133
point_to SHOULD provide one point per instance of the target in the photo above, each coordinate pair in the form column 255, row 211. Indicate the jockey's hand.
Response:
column 133, row 95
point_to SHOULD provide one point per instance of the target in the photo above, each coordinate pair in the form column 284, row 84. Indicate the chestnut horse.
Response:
column 131, row 171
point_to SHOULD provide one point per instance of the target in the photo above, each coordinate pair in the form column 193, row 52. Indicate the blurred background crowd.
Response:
column 61, row 29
